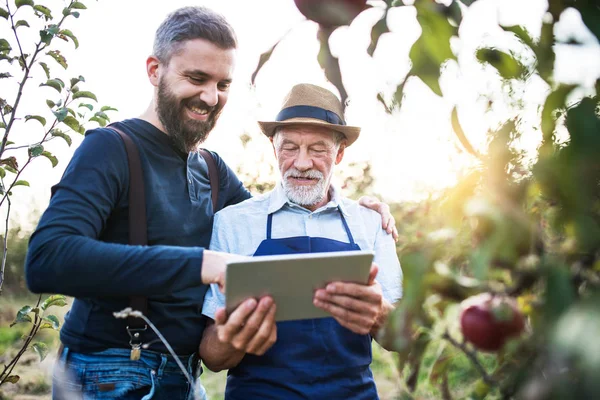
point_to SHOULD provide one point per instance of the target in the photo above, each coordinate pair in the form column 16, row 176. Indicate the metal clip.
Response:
column 135, row 342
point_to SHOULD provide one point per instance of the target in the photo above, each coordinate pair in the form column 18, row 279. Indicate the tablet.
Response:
column 292, row 279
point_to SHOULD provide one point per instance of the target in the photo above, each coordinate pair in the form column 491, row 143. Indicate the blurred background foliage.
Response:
column 525, row 228
column 519, row 226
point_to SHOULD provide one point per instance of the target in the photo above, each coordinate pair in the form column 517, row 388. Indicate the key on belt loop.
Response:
column 136, row 342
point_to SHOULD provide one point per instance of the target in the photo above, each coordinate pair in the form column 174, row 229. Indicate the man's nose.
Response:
column 303, row 162
column 210, row 95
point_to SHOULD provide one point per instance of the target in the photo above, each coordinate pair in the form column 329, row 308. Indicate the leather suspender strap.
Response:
column 138, row 232
column 213, row 177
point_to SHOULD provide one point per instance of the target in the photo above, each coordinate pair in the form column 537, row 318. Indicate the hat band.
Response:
column 309, row 112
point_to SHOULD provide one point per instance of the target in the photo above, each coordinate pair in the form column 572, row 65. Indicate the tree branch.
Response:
column 5, row 245
column 472, row 356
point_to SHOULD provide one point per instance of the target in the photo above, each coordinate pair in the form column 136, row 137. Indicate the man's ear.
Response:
column 340, row 153
column 152, row 69
column 273, row 145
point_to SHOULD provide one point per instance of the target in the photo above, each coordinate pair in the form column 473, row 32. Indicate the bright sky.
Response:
column 412, row 152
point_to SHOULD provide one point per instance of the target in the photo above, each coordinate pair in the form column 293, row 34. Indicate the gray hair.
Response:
column 189, row 23
column 338, row 137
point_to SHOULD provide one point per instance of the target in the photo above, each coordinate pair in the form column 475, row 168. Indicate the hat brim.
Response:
column 351, row 132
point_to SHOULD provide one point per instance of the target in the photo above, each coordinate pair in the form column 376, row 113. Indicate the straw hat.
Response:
column 312, row 105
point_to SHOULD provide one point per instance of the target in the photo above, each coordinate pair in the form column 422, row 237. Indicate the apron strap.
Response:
column 346, row 226
column 269, row 225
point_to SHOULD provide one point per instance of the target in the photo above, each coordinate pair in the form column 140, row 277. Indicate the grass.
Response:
column 35, row 382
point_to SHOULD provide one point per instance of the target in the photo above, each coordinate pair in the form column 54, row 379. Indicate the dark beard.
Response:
column 186, row 133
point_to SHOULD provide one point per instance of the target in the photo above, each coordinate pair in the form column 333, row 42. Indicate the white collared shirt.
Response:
column 240, row 229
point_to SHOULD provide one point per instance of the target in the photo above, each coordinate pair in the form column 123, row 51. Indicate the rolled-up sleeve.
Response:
column 390, row 272
column 214, row 299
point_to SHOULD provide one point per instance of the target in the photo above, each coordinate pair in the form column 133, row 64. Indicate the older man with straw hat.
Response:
column 325, row 358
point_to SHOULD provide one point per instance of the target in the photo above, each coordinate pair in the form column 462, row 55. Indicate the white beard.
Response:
column 305, row 195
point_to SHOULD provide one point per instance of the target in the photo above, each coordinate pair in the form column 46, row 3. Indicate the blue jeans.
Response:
column 110, row 374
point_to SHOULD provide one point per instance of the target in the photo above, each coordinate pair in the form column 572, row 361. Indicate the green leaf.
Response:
column 506, row 65
column 60, row 114
column 78, row 6
column 53, row 321
column 88, row 106
column 71, row 123
column 2, row 173
column 21, row 183
column 85, row 94
column 50, row 157
column 10, row 169
column 13, row 379
column 108, row 108
column 75, row 14
column 35, row 150
column 46, row 35
column 102, row 115
column 41, row 349
column 57, row 300
column 432, row 48
column 58, row 58
column 4, row 45
column 101, row 121
column 69, row 34
column 61, row 134
column 46, row 69
column 22, row 315
column 56, row 84
column 21, row 3
column 4, row 75
column 50, row 103
column 555, row 101
column 521, row 33
column 21, row 22
column 378, row 30
column 43, row 10
column 72, row 112
column 75, row 81
column 3, row 13
column 460, row 134
column 38, row 118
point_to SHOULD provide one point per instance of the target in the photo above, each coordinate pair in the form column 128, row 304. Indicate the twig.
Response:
column 5, row 245
column 7, row 190
column 14, row 29
column 34, row 329
column 473, row 357
column 29, row 145
column 38, row 48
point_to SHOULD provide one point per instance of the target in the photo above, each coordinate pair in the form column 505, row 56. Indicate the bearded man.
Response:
column 326, row 358
column 85, row 246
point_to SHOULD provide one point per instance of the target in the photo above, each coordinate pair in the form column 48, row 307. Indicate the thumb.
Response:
column 372, row 274
column 220, row 316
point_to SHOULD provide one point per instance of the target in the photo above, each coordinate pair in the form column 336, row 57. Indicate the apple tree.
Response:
column 504, row 268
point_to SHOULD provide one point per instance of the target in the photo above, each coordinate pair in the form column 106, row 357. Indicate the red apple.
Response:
column 488, row 321
column 331, row 13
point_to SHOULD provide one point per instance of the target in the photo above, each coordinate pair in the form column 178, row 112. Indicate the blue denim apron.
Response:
column 312, row 359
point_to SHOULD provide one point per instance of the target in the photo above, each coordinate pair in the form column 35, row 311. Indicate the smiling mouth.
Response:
column 304, row 180
column 198, row 110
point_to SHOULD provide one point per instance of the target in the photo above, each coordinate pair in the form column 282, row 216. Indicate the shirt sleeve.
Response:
column 65, row 254
column 219, row 242
column 386, row 258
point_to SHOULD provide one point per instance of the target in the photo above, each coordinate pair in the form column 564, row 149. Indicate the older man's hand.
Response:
column 360, row 308
column 250, row 328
